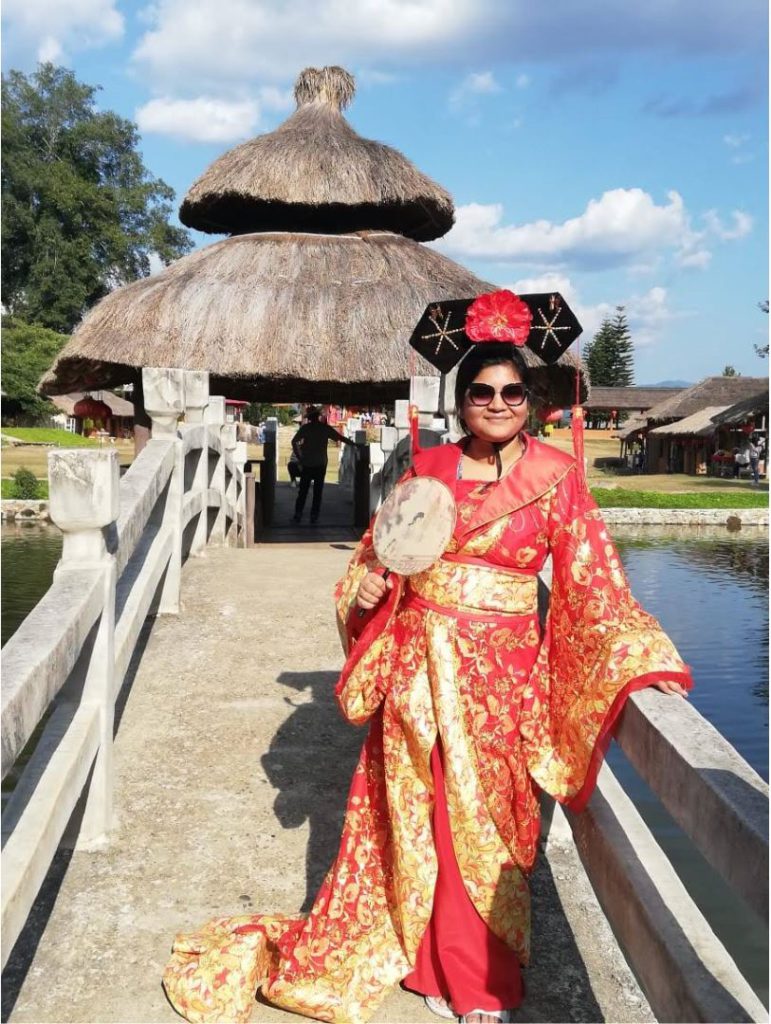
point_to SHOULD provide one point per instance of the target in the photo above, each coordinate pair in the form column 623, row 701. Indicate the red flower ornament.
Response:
column 499, row 316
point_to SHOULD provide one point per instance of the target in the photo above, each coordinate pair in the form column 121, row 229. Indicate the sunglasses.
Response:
column 482, row 394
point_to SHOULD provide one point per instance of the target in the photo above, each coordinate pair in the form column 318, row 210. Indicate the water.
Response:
column 30, row 552
column 708, row 588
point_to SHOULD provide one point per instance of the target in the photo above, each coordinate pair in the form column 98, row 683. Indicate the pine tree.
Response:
column 622, row 357
column 598, row 356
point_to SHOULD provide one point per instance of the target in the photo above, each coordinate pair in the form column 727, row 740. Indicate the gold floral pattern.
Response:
column 459, row 657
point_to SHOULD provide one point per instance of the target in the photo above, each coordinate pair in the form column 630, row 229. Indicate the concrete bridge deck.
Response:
column 232, row 765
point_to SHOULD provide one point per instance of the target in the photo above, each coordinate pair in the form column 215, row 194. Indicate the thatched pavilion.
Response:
column 315, row 293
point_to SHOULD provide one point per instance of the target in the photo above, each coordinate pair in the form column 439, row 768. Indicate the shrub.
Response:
column 25, row 484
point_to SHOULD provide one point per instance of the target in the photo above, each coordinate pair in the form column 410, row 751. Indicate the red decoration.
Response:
column 748, row 428
column 89, row 408
column 499, row 316
column 549, row 415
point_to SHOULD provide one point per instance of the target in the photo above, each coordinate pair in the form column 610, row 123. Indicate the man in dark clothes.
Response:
column 310, row 445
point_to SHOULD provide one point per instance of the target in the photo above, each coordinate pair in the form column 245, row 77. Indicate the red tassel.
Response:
column 577, row 429
column 414, row 430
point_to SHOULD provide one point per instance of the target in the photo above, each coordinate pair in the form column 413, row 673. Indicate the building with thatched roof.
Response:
column 683, row 433
column 631, row 399
column 120, row 423
column 314, row 295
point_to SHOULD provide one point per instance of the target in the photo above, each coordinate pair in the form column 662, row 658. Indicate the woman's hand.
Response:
column 671, row 688
column 372, row 590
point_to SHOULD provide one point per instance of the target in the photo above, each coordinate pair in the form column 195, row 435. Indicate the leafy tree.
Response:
column 730, row 371
column 28, row 351
column 762, row 350
column 81, row 212
column 258, row 412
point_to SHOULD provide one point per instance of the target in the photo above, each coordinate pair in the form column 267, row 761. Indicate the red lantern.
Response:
column 89, row 408
column 549, row 415
column 748, row 428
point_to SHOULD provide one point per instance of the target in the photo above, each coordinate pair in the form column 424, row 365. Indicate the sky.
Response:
column 616, row 152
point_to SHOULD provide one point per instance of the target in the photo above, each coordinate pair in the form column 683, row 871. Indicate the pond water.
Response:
column 709, row 589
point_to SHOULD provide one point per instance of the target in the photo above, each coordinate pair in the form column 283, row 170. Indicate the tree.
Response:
column 81, row 212
column 730, row 371
column 609, row 356
column 762, row 350
column 28, row 351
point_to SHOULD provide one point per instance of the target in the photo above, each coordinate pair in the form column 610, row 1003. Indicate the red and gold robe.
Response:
column 455, row 654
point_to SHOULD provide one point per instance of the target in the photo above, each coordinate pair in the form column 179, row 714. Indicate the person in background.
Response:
column 753, row 451
column 310, row 444
column 741, row 459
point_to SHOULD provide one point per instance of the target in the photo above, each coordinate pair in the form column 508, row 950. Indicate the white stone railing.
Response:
column 123, row 547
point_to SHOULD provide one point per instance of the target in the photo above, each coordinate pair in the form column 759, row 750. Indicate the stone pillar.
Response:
column 196, row 403
column 214, row 417
column 239, row 459
column 84, row 489
column 269, row 470
column 165, row 403
column 361, row 513
column 229, row 494
column 141, row 419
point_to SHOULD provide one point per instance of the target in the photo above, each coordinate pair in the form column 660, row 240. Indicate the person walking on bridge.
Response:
column 310, row 445
column 473, row 708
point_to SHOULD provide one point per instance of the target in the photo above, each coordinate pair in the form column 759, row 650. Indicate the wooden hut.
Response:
column 314, row 295
column 688, row 417
column 120, row 422
column 607, row 407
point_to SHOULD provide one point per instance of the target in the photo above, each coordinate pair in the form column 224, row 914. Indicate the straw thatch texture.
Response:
column 315, row 173
column 722, row 391
column 742, row 412
column 628, row 398
column 282, row 317
column 700, row 424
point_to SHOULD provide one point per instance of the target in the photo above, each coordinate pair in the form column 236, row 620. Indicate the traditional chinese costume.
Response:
column 473, row 708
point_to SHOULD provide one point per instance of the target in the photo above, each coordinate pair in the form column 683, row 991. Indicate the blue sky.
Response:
column 615, row 151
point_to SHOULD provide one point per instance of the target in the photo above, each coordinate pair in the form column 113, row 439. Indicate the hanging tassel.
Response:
column 414, row 430
column 577, row 423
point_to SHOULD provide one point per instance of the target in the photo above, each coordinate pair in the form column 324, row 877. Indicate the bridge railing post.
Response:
column 196, row 402
column 84, row 502
column 229, row 437
column 214, row 417
column 164, row 392
column 239, row 459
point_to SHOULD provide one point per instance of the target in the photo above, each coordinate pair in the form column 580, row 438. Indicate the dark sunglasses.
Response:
column 482, row 394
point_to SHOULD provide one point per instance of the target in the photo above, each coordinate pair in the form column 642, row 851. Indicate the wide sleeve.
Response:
column 366, row 638
column 598, row 646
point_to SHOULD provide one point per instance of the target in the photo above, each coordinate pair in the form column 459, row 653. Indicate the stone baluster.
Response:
column 229, row 441
column 239, row 459
column 215, row 419
column 196, row 404
column 164, row 391
column 84, row 489
column 425, row 396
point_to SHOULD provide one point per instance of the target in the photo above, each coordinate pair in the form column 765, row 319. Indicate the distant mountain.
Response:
column 668, row 384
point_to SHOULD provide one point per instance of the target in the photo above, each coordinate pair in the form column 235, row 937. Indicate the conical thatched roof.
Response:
column 315, row 173
column 282, row 317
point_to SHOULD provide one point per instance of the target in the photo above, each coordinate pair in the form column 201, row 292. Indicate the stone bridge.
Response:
column 176, row 754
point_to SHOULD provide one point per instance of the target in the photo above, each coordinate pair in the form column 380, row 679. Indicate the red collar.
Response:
column 539, row 469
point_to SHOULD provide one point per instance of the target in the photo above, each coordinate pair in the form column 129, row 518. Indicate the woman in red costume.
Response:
column 473, row 708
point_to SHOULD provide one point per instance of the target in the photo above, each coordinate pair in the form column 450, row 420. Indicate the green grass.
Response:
column 48, row 435
column 6, row 489
column 612, row 497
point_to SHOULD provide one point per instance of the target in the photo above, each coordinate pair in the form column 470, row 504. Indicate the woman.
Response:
column 472, row 710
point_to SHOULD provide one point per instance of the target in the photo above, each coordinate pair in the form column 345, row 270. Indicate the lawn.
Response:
column 47, row 435
column 620, row 497
column 36, row 458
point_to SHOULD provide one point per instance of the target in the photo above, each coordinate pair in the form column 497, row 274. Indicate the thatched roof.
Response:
column 315, row 173
column 632, row 426
column 742, row 412
column 628, row 398
column 118, row 406
column 282, row 317
column 700, row 424
column 712, row 391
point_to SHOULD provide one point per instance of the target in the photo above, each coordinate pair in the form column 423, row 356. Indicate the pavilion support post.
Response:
column 269, row 470
column 84, row 503
column 215, row 419
column 164, row 391
column 196, row 403
column 142, row 424
column 361, row 512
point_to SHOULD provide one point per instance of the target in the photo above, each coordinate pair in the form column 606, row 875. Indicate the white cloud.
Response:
column 465, row 97
column 522, row 81
column 742, row 225
column 735, row 141
column 203, row 119
column 50, row 28
column 243, row 41
column 622, row 227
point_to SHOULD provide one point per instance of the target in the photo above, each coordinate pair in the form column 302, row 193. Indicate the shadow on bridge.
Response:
column 335, row 521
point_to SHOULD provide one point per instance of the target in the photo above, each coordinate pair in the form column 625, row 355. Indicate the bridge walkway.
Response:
column 232, row 765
